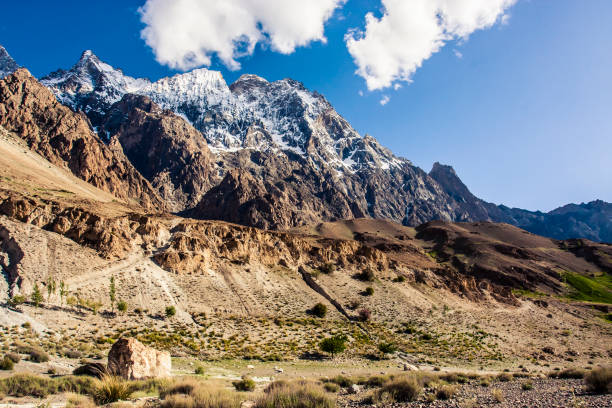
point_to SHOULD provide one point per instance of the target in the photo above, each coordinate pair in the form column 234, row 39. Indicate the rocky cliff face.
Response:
column 164, row 148
column 63, row 137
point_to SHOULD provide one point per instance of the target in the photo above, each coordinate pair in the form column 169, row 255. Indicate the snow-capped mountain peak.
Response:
column 7, row 63
column 252, row 113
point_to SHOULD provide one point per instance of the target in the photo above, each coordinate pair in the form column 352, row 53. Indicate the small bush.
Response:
column 170, row 311
column 405, row 389
column 26, row 385
column 574, row 373
column 446, row 392
column 331, row 387
column 111, row 389
column 300, row 394
column 246, row 384
column 364, row 315
column 333, row 345
column 399, row 279
column 505, row 377
column 599, row 380
column 38, row 356
column 15, row 358
column 367, row 275
column 6, row 364
column 497, row 395
column 376, row 381
column 387, row 348
column 190, row 393
column 342, row 381
column 122, row 306
column 527, row 385
column 319, row 310
column 327, row 268
column 79, row 401
column 73, row 354
column 369, row 291
column 17, row 300
column 199, row 370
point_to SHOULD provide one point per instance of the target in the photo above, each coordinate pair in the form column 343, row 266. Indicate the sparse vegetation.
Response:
column 319, row 310
column 36, row 297
column 327, row 268
column 367, row 275
column 364, row 315
column 527, row 385
column 446, row 392
column 498, row 395
column 246, row 384
column 299, row 394
column 38, row 356
column 369, row 291
column 387, row 348
column 588, row 289
column 6, row 364
column 112, row 293
column 199, row 370
column 334, row 345
column 403, row 389
column 16, row 300
column 170, row 311
column 331, row 387
column 111, row 389
column 599, row 380
column 122, row 306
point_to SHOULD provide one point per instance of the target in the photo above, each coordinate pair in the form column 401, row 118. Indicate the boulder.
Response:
column 132, row 360
column 93, row 369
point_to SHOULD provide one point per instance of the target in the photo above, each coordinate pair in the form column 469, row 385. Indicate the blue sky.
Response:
column 524, row 116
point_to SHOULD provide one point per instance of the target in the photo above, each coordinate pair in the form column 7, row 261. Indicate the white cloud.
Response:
column 385, row 100
column 409, row 32
column 360, row 92
column 458, row 54
column 185, row 34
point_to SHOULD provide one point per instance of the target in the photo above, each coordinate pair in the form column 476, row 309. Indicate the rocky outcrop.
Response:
column 63, row 137
column 132, row 360
column 164, row 148
column 111, row 237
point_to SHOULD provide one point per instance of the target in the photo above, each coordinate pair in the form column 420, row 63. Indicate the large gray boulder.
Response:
column 132, row 360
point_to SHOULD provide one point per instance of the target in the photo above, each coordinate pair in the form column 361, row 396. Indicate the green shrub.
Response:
column 6, row 364
column 333, row 345
column 17, row 300
column 246, row 384
column 170, row 311
column 527, row 385
column 24, row 385
column 399, row 279
column 369, row 291
column 319, row 310
column 599, row 380
column 300, row 394
column 387, row 348
column 403, row 389
column 377, row 381
column 122, row 306
column 199, row 370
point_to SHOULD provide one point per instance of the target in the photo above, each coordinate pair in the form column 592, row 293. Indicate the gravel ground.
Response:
column 546, row 393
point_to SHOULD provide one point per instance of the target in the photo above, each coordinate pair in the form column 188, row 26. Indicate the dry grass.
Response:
column 446, row 392
column 402, row 389
column 599, row 380
column 299, row 394
column 79, row 401
column 498, row 395
column 191, row 393
column 111, row 389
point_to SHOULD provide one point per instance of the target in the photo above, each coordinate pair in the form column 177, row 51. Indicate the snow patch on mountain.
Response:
column 7, row 64
column 252, row 113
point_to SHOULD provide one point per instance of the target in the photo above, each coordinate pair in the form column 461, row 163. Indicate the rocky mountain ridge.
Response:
column 306, row 163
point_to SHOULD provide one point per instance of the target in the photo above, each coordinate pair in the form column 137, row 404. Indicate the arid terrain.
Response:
column 442, row 314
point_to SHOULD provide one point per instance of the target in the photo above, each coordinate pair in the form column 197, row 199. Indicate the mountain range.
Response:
column 272, row 155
